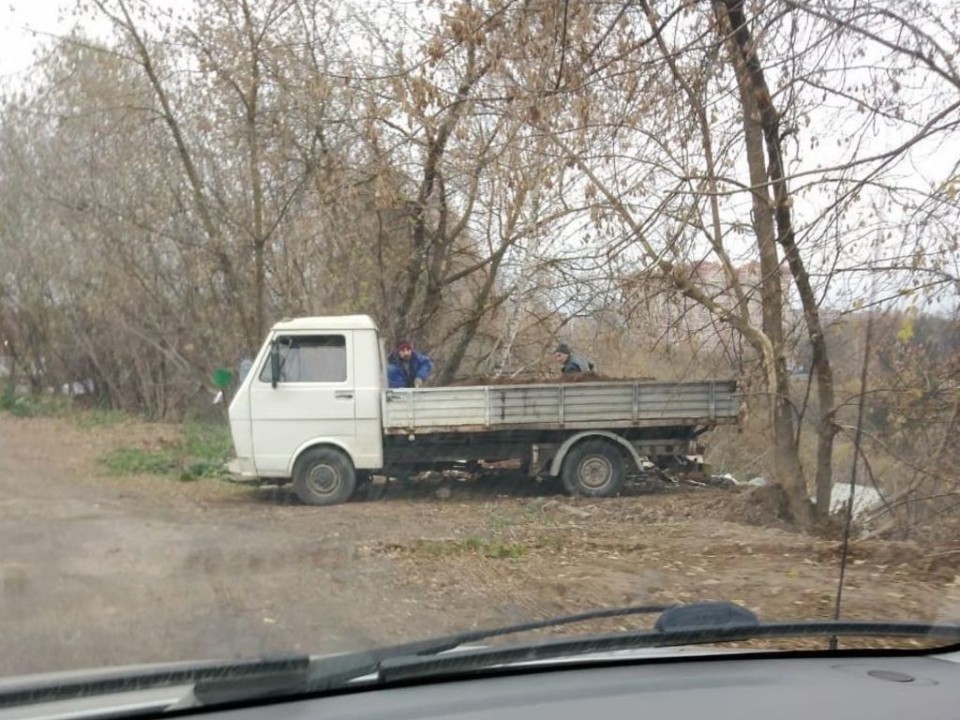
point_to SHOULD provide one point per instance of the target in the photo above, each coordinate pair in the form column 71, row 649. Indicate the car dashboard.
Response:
column 731, row 687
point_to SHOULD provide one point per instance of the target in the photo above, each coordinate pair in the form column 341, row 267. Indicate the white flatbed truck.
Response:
column 315, row 410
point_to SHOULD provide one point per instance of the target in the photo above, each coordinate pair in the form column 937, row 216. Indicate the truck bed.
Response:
column 561, row 406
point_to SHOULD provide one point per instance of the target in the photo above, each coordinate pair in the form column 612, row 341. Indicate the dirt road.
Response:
column 100, row 570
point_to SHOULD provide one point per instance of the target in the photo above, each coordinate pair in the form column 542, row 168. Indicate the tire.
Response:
column 324, row 476
column 594, row 468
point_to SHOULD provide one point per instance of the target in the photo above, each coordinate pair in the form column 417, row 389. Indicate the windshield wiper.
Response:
column 289, row 676
column 694, row 624
column 214, row 682
column 333, row 672
column 697, row 624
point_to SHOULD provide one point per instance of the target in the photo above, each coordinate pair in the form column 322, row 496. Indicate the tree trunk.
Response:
column 420, row 298
column 452, row 366
column 788, row 471
column 753, row 77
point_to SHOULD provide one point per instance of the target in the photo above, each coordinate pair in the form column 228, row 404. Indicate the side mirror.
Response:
column 274, row 364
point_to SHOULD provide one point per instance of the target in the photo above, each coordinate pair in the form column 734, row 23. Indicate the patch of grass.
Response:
column 208, row 440
column 141, row 461
column 31, row 406
column 437, row 548
column 98, row 418
column 34, row 405
column 477, row 546
column 500, row 550
column 206, row 447
column 7, row 395
column 499, row 522
column 199, row 454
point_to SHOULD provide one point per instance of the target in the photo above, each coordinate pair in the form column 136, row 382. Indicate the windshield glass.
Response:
column 331, row 326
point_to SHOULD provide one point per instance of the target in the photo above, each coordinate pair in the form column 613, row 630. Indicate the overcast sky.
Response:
column 20, row 21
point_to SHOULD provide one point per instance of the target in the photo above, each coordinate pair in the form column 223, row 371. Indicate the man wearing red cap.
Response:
column 407, row 368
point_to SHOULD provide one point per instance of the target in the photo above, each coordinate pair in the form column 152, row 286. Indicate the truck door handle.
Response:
column 343, row 394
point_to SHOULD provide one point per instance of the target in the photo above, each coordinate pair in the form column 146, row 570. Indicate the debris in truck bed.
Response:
column 543, row 378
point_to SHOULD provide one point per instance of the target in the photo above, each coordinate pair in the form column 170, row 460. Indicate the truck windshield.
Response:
column 551, row 306
column 309, row 358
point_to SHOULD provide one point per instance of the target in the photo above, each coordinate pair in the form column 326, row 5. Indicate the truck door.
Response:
column 314, row 398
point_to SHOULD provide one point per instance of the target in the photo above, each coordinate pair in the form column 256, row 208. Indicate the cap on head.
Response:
column 404, row 345
column 563, row 348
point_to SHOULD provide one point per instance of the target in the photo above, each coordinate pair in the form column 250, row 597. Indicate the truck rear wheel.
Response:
column 324, row 476
column 594, row 468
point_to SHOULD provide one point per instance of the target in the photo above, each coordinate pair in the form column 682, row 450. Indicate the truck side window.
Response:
column 310, row 358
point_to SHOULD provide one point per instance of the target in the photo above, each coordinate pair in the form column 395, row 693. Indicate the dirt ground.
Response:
column 103, row 570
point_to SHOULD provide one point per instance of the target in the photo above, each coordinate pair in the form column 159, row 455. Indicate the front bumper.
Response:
column 242, row 470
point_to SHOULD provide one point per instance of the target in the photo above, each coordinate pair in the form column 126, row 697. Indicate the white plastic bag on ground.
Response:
column 865, row 499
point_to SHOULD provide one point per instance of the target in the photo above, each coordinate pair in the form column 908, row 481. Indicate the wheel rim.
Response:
column 323, row 479
column 595, row 472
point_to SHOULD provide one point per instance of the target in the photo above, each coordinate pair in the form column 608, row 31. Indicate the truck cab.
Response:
column 316, row 382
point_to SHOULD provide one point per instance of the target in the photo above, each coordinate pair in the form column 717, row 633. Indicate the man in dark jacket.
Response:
column 570, row 361
column 407, row 368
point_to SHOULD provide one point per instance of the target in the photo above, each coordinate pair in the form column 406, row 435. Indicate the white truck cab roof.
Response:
column 326, row 322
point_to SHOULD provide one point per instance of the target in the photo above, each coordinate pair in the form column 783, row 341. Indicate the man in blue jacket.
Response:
column 407, row 368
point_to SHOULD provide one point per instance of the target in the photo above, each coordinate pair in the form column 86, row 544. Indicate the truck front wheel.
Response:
column 323, row 476
column 594, row 468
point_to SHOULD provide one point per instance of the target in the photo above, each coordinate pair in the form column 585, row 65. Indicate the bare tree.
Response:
column 642, row 167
